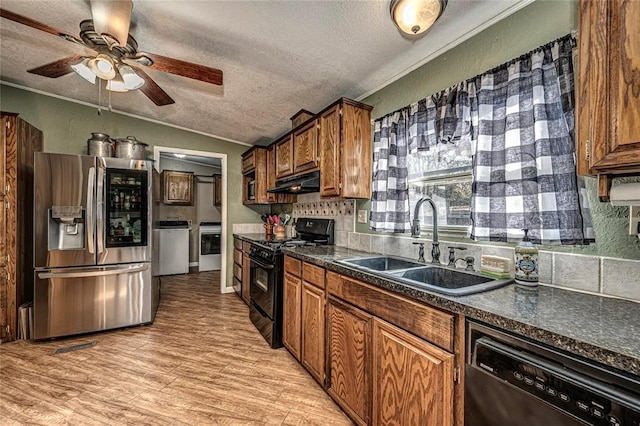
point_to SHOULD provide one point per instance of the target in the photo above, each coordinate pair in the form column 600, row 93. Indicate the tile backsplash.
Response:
column 342, row 211
column 593, row 274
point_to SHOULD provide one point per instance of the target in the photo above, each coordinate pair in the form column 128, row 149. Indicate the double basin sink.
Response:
column 436, row 278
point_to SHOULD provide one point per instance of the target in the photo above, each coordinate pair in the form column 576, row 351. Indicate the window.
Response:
column 444, row 174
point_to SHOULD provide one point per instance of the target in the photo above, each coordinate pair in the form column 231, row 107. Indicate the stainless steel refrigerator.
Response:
column 92, row 244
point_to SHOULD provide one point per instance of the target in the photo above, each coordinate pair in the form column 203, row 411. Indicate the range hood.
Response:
column 302, row 184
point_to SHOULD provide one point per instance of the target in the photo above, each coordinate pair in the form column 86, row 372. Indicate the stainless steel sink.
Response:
column 382, row 263
column 440, row 279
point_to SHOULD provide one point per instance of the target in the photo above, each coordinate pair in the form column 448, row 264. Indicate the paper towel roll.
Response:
column 626, row 194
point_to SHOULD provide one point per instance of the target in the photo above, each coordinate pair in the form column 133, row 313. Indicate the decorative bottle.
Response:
column 526, row 263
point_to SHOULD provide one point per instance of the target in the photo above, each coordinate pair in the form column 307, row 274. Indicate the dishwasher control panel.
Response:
column 585, row 398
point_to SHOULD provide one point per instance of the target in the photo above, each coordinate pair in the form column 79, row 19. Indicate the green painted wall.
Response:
column 67, row 126
column 534, row 25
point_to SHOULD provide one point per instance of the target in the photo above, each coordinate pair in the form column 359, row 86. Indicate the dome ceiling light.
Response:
column 414, row 17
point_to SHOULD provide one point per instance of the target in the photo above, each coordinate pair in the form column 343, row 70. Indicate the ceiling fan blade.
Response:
column 38, row 26
column 57, row 68
column 183, row 68
column 153, row 91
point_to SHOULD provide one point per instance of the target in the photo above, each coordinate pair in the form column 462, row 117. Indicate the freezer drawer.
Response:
column 82, row 300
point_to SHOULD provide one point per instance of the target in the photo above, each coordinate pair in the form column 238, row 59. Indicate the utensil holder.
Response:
column 268, row 230
column 279, row 231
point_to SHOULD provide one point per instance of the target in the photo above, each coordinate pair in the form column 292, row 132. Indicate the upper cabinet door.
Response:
column 178, row 187
column 305, row 144
column 284, row 157
column 608, row 87
column 356, row 146
column 249, row 161
column 329, row 147
column 217, row 190
column 271, row 174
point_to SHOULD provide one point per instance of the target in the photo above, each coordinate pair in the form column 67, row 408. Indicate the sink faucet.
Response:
column 415, row 228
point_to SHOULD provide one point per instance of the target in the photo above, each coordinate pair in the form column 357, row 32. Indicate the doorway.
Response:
column 215, row 160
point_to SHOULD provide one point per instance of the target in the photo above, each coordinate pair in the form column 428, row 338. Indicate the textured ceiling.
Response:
column 277, row 56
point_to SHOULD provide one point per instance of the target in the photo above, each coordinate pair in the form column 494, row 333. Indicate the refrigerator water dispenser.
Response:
column 66, row 228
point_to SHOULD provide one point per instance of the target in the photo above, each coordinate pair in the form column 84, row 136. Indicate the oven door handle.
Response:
column 261, row 264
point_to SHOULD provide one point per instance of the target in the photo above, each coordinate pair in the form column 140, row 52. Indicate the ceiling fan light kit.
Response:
column 414, row 17
column 132, row 81
column 103, row 66
column 117, row 84
column 83, row 70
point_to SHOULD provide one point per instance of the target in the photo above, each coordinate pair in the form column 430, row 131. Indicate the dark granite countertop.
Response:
column 602, row 329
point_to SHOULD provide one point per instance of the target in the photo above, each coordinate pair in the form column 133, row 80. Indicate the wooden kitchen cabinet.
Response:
column 348, row 365
column 262, row 175
column 249, row 161
column 246, row 273
column 19, row 142
column 344, row 143
column 271, row 174
column 305, row 148
column 384, row 358
column 608, row 90
column 413, row 351
column 291, row 313
column 303, row 331
column 284, row 156
column 178, row 187
column 412, row 379
column 271, row 180
column 237, row 266
column 313, row 321
column 217, row 190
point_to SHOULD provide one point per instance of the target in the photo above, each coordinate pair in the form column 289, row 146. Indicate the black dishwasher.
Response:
column 512, row 381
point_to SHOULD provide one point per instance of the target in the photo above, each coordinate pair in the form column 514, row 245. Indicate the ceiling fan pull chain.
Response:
column 110, row 108
column 99, row 99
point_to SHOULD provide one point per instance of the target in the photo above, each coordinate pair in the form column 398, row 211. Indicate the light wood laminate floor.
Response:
column 202, row 362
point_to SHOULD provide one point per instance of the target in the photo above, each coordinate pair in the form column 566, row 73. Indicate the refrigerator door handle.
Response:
column 100, row 273
column 100, row 208
column 90, row 225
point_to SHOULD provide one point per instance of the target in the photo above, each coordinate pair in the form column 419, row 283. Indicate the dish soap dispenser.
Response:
column 526, row 262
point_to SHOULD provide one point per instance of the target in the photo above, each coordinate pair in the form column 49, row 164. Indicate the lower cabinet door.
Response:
column 246, row 279
column 348, row 366
column 412, row 379
column 291, row 333
column 313, row 343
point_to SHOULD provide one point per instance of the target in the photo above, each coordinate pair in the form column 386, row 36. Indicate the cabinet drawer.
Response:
column 237, row 243
column 237, row 271
column 237, row 257
column 292, row 266
column 424, row 321
column 313, row 274
column 246, row 247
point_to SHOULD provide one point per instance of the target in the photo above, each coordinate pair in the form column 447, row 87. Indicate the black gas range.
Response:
column 266, row 274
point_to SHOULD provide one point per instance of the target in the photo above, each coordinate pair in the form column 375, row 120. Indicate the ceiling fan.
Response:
column 117, row 57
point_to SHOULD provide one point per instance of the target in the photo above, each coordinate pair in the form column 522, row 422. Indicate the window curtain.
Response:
column 390, row 194
column 396, row 135
column 519, row 120
column 524, row 171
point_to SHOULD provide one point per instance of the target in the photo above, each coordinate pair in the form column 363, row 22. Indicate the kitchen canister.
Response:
column 100, row 145
column 131, row 148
